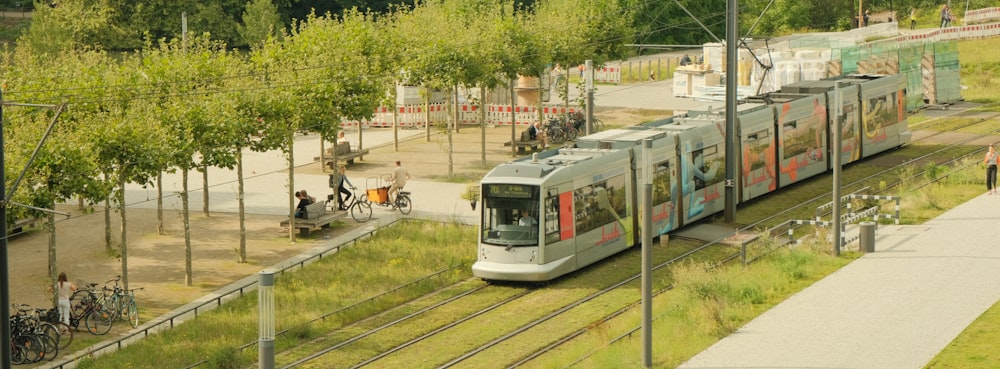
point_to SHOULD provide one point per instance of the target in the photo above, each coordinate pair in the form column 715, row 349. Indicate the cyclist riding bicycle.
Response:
column 398, row 177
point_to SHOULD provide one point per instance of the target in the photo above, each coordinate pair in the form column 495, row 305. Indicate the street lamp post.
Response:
column 265, row 310
column 647, row 253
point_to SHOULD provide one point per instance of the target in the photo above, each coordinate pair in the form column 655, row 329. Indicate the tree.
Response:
column 260, row 21
column 327, row 70
column 443, row 56
column 72, row 25
column 129, row 145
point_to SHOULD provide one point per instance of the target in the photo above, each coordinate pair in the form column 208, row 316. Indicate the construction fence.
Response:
column 415, row 116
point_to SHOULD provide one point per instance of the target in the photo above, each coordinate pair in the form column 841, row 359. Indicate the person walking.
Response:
column 399, row 178
column 945, row 16
column 65, row 289
column 991, row 160
column 913, row 18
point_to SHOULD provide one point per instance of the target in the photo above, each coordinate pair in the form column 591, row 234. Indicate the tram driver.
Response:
column 526, row 219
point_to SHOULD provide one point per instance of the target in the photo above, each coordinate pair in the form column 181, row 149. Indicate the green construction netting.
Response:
column 909, row 66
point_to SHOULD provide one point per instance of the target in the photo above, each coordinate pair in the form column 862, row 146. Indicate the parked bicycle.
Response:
column 87, row 305
column 562, row 128
column 557, row 131
column 121, row 303
column 49, row 320
column 29, row 336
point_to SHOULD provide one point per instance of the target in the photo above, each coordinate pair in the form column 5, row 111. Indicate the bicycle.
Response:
column 359, row 209
column 61, row 332
column 121, row 303
column 379, row 195
column 87, row 306
column 27, row 332
column 560, row 129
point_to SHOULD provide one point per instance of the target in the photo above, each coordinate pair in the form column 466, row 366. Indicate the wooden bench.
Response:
column 524, row 143
column 316, row 217
column 344, row 153
column 19, row 226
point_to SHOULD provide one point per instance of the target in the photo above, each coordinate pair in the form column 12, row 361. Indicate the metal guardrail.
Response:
column 168, row 322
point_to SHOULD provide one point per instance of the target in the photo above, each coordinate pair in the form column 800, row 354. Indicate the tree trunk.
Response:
column 322, row 152
column 159, row 204
column 454, row 113
column 53, row 266
column 453, row 108
column 427, row 112
column 291, row 186
column 541, row 106
column 124, row 245
column 107, row 224
column 185, row 214
column 566, row 91
column 242, row 215
column 395, row 128
column 204, row 196
column 513, row 120
column 482, row 121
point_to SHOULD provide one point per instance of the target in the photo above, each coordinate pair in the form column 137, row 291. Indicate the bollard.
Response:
column 867, row 237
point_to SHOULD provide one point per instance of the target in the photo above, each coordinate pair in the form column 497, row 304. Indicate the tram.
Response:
column 560, row 210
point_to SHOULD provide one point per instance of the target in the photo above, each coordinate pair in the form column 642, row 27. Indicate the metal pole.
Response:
column 731, row 137
column 835, row 143
column 589, row 67
column 647, row 254
column 5, row 352
column 265, row 309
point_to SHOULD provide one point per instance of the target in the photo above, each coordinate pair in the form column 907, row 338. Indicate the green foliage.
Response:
column 932, row 171
column 667, row 23
column 786, row 16
column 226, row 357
column 73, row 25
column 260, row 21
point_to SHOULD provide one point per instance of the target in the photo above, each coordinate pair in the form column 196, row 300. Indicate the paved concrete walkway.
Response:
column 266, row 184
column 895, row 308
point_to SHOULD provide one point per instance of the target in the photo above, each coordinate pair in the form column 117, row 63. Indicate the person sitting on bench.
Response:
column 304, row 200
column 535, row 133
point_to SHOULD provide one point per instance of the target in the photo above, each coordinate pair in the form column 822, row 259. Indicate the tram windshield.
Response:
column 510, row 214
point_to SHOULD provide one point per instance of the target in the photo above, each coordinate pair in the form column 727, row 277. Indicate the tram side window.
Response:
column 551, row 218
column 600, row 204
column 709, row 167
column 796, row 138
column 662, row 186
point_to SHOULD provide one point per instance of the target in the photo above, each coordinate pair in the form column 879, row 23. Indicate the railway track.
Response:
column 543, row 327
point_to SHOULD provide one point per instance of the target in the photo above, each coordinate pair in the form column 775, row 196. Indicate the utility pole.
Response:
column 5, row 352
column 647, row 252
column 589, row 67
column 732, row 9
column 835, row 145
